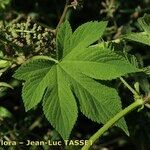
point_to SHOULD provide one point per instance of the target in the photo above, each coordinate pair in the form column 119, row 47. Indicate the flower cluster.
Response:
column 30, row 37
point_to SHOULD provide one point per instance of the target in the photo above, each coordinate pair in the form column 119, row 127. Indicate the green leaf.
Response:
column 59, row 104
column 63, row 39
column 142, row 37
column 99, row 63
column 56, row 82
column 4, row 113
column 37, row 73
column 4, row 63
column 147, row 70
column 33, row 68
column 87, row 34
column 4, row 3
column 144, row 22
column 94, row 102
column 84, row 35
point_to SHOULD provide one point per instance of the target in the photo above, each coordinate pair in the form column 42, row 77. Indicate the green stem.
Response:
column 25, row 31
column 128, row 86
column 112, row 121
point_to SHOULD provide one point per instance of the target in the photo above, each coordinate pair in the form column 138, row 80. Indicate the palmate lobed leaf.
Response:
column 56, row 83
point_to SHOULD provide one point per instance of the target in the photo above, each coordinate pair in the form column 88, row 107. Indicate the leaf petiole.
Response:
column 128, row 86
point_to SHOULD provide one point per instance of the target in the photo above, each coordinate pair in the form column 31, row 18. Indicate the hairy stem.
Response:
column 128, row 86
column 112, row 121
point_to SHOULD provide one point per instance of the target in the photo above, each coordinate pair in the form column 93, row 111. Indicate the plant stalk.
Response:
column 112, row 121
column 128, row 86
column 63, row 15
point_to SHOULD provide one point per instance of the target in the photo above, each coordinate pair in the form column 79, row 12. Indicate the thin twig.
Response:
column 63, row 15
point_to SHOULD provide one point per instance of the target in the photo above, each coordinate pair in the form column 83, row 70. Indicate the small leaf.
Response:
column 4, row 3
column 146, row 70
column 4, row 64
column 144, row 22
column 4, row 113
column 143, row 37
